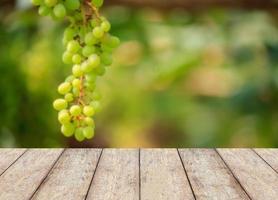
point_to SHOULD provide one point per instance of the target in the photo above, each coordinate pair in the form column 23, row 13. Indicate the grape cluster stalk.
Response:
column 89, row 47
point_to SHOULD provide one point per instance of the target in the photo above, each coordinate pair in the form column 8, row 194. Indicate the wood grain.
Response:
column 117, row 176
column 258, row 179
column 71, row 176
column 163, row 176
column 25, row 175
column 270, row 156
column 209, row 176
column 8, row 156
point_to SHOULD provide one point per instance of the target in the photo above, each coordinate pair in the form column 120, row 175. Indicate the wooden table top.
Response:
column 134, row 174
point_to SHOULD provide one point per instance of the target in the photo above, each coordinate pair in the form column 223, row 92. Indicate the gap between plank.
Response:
column 186, row 175
column 228, row 167
column 264, row 160
column 51, row 168
column 13, row 162
column 90, row 185
column 139, row 173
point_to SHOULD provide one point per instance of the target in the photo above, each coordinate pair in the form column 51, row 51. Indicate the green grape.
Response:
column 67, row 57
column 97, row 3
column 106, row 58
column 59, row 11
column 105, row 26
column 60, row 104
column 44, row 10
column 75, row 110
column 76, row 59
column 69, row 78
column 79, row 136
column 89, row 121
column 72, row 4
column 98, row 32
column 91, row 77
column 76, row 71
column 69, row 97
column 73, row 46
column 64, row 88
column 88, row 132
column 64, row 117
column 68, row 129
column 88, row 111
column 69, row 34
column 50, row 3
column 90, row 39
column 76, row 83
column 89, row 49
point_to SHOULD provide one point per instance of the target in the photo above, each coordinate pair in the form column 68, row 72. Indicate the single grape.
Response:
column 59, row 11
column 64, row 117
column 89, row 121
column 94, row 60
column 90, row 39
column 91, row 77
column 97, row 3
column 76, row 58
column 69, row 78
column 88, row 132
column 69, row 97
column 69, row 34
column 106, row 58
column 100, row 71
column 88, row 50
column 68, row 129
column 73, row 46
column 64, row 88
column 50, row 3
column 75, row 110
column 72, row 4
column 76, row 70
column 67, row 57
column 88, row 111
column 79, row 136
column 98, row 32
column 113, row 42
column 60, row 104
column 76, row 83
column 44, row 10
column 105, row 26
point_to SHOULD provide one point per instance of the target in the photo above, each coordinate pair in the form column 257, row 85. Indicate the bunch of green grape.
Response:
column 89, row 48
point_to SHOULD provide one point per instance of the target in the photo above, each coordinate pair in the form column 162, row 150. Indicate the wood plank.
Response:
column 270, row 156
column 117, row 176
column 163, row 176
column 258, row 179
column 209, row 177
column 8, row 156
column 24, row 176
column 71, row 176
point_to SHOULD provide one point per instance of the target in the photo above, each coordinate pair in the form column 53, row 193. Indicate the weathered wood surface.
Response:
column 117, row 176
column 209, row 176
column 135, row 174
column 258, row 179
column 270, row 156
column 8, row 156
column 71, row 177
column 24, row 176
column 163, row 176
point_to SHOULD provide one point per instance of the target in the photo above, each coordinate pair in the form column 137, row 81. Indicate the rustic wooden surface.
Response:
column 135, row 174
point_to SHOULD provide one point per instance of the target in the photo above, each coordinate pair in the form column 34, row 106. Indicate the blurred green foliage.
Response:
column 179, row 79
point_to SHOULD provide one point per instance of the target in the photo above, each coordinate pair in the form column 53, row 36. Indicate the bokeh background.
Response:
column 185, row 75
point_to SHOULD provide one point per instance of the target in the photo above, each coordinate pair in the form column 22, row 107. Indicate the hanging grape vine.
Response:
column 89, row 48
